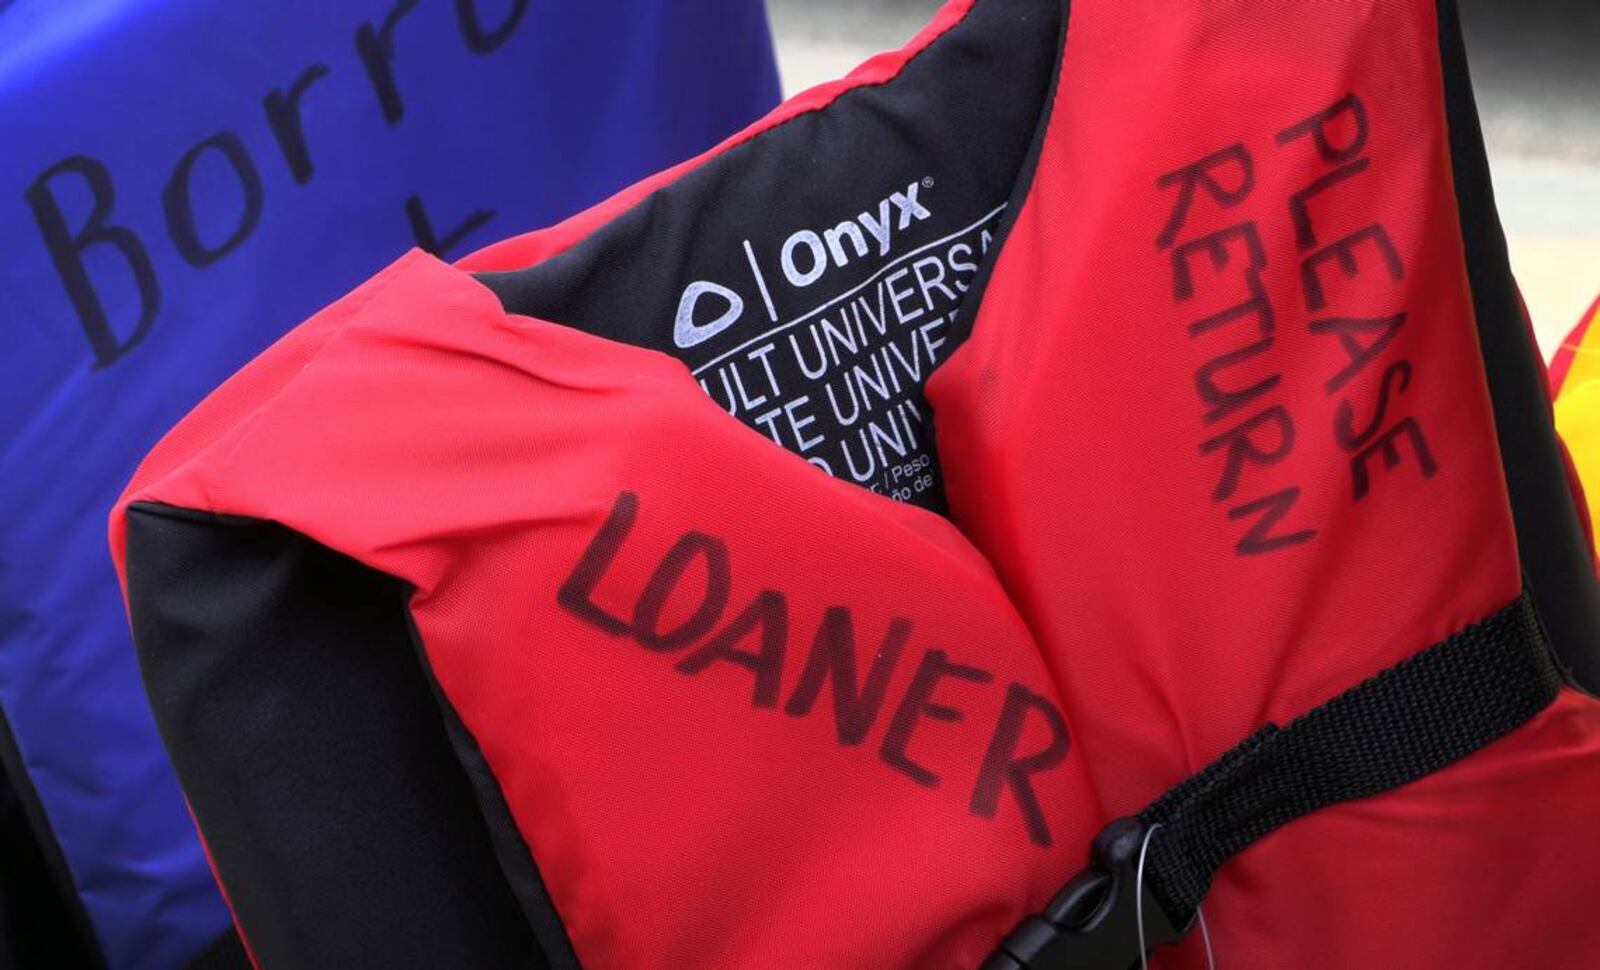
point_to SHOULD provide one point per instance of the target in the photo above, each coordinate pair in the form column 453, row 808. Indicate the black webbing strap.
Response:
column 1407, row 722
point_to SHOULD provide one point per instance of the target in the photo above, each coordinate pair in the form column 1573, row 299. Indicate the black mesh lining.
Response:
column 313, row 754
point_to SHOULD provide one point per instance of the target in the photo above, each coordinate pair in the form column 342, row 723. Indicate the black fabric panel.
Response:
column 1555, row 554
column 961, row 329
column 312, row 753
column 950, row 135
column 42, row 921
column 1410, row 721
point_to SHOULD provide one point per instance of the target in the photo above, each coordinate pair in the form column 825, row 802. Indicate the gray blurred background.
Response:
column 1536, row 68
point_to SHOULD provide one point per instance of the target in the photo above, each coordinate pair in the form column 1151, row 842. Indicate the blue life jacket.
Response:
column 181, row 183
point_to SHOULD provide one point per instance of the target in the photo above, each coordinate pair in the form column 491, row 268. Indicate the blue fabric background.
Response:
column 578, row 99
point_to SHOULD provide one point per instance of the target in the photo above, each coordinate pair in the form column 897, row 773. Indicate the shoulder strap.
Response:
column 1407, row 722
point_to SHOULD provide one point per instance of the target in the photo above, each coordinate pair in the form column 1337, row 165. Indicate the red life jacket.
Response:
column 796, row 560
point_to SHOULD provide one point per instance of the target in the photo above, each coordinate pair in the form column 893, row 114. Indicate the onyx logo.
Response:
column 805, row 258
column 819, row 253
column 685, row 332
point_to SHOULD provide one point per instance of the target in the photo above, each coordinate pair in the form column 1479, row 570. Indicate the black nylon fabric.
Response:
column 1550, row 537
column 1413, row 719
column 285, row 685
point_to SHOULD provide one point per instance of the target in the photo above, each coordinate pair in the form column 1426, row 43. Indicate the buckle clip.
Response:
column 1092, row 924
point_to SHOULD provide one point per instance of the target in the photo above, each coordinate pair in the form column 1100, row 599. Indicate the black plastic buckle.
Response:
column 1092, row 924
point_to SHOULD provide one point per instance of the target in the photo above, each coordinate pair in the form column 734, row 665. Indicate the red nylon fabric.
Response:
column 686, row 816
